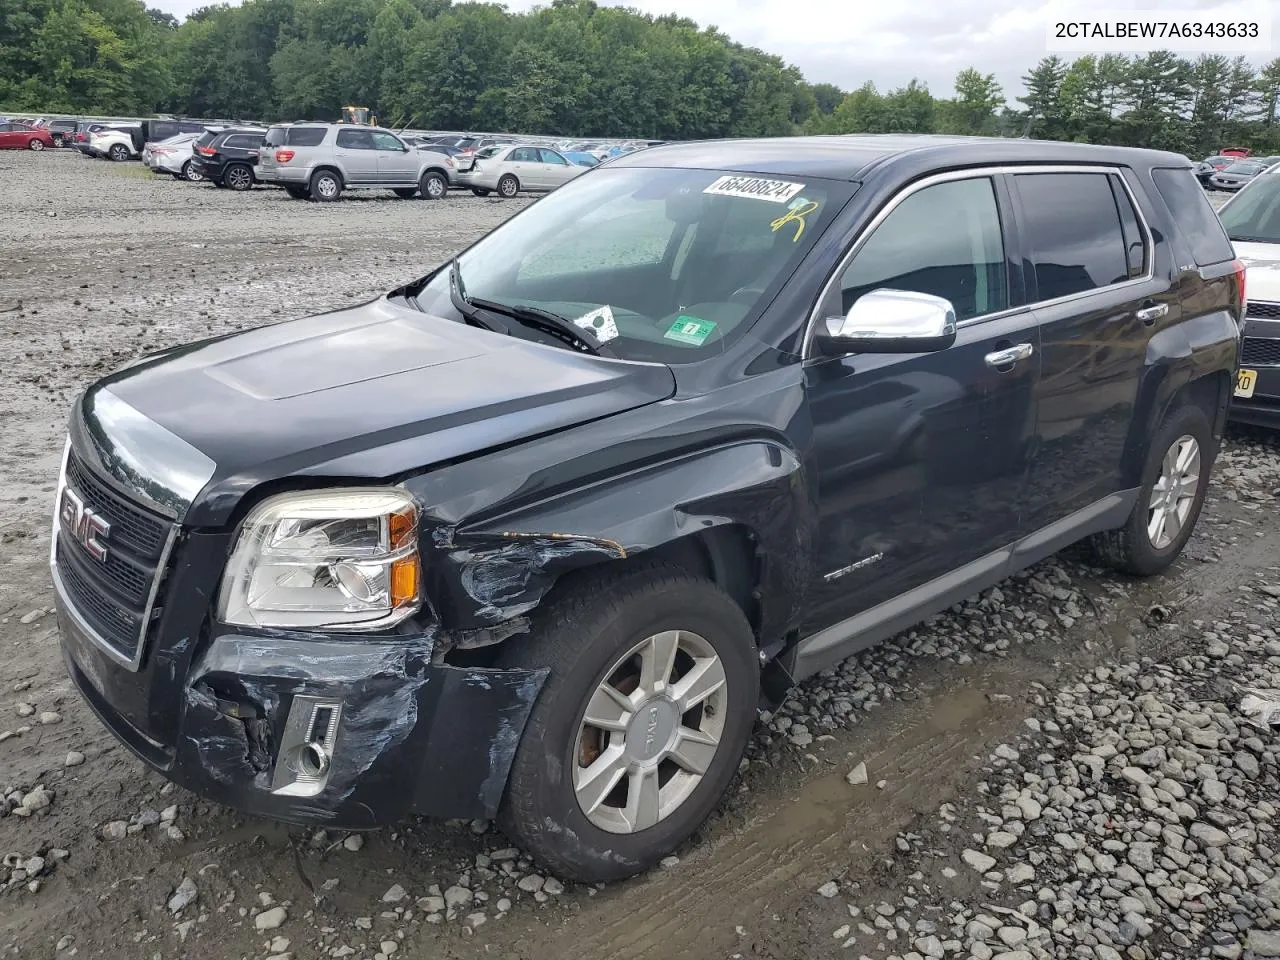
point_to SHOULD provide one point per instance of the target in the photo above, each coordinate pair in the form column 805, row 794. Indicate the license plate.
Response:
column 1246, row 380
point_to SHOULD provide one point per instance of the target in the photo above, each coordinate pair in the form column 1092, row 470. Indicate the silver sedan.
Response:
column 510, row 170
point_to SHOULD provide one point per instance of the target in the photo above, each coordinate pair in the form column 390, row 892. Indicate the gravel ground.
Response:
column 1059, row 767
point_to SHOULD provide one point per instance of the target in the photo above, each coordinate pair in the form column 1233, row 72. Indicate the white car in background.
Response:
column 512, row 169
column 173, row 156
column 1252, row 219
column 116, row 143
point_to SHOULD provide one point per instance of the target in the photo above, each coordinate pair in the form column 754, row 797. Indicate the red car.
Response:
column 15, row 136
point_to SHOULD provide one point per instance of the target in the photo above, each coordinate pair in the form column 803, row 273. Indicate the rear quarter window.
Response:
column 307, row 136
column 1193, row 214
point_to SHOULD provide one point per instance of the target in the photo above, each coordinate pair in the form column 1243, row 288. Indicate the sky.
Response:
column 848, row 42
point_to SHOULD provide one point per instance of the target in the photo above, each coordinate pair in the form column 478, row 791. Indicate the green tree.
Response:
column 1046, row 116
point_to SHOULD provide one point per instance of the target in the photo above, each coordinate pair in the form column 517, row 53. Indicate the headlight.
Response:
column 339, row 559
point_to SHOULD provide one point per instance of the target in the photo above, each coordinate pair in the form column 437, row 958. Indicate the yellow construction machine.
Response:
column 359, row 115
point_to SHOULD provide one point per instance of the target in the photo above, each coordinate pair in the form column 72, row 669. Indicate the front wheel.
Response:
column 1174, row 482
column 433, row 186
column 641, row 725
column 508, row 186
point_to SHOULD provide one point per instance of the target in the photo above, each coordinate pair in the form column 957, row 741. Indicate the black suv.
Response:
column 536, row 536
column 226, row 158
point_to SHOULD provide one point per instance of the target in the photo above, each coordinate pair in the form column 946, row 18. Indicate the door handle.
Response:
column 1151, row 314
column 1009, row 355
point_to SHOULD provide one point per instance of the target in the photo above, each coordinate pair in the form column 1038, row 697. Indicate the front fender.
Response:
column 502, row 567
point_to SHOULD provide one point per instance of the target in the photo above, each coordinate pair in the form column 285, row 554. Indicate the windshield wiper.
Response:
column 458, row 296
column 1242, row 239
column 544, row 320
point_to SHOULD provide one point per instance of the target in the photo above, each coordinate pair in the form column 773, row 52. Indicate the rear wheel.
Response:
column 405, row 193
column 298, row 193
column 189, row 172
column 640, row 728
column 326, row 186
column 36, row 144
column 433, row 186
column 238, row 177
column 1174, row 483
column 118, row 152
column 508, row 186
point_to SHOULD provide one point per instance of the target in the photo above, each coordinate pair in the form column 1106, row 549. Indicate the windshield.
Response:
column 659, row 264
column 1254, row 214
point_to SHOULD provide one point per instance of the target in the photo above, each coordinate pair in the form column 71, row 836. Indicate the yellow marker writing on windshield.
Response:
column 795, row 216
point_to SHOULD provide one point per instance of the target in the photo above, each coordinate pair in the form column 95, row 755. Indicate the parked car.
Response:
column 1234, row 177
column 1207, row 167
column 174, row 156
column 581, row 159
column 116, row 142
column 510, row 170
column 84, row 128
column 536, row 536
column 351, row 158
column 61, row 131
column 15, row 136
column 228, row 158
column 1252, row 221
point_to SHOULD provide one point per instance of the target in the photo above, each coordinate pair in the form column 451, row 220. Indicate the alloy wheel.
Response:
column 1174, row 492
column 327, row 187
column 191, row 173
column 37, row 145
column 239, row 179
column 435, row 188
column 650, row 732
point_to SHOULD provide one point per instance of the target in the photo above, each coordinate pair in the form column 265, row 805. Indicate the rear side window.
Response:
column 1073, row 229
column 206, row 138
column 355, row 139
column 1194, row 216
column 275, row 137
column 243, row 140
column 306, row 136
column 1135, row 243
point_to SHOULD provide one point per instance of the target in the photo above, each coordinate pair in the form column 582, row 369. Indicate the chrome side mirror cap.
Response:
column 892, row 321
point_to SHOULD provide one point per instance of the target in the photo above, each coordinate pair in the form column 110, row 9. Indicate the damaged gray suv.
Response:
column 535, row 536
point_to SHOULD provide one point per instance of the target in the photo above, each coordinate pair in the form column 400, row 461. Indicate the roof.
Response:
column 849, row 157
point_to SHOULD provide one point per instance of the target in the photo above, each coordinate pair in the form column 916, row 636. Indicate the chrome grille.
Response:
column 119, row 597
column 1260, row 352
column 1263, row 310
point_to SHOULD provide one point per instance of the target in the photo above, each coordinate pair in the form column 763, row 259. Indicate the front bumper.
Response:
column 1261, row 353
column 1263, row 408
column 213, row 709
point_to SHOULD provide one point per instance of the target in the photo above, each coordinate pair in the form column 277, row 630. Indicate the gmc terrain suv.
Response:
column 536, row 535
column 320, row 161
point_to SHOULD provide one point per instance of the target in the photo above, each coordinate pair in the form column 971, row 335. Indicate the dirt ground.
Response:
column 98, row 262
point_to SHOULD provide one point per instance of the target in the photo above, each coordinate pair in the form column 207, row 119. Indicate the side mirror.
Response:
column 891, row 321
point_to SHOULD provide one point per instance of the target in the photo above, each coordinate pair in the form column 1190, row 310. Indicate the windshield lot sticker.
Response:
column 797, row 210
column 754, row 188
column 600, row 322
column 690, row 330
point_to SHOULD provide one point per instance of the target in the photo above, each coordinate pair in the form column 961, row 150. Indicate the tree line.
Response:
column 577, row 69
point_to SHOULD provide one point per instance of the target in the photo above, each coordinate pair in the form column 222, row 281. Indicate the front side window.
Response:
column 550, row 156
column 943, row 240
column 1072, row 227
column 679, row 261
column 385, row 141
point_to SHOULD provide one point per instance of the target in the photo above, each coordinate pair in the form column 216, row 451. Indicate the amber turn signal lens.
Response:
column 404, row 581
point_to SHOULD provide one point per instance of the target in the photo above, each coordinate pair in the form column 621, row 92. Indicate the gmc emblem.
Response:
column 88, row 529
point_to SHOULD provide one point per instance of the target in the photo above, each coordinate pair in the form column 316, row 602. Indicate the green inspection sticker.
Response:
column 690, row 330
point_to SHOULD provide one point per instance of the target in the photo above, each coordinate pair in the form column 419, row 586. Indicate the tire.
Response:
column 508, row 186
column 238, row 177
column 405, row 193
column 297, row 193
column 433, row 186
column 326, row 186
column 584, row 634
column 1138, row 548
column 36, row 145
column 190, row 173
column 480, row 191
column 118, row 152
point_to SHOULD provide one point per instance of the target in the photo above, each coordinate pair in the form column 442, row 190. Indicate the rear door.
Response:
column 8, row 138
column 527, row 165
column 1098, row 299
column 355, row 153
column 397, row 164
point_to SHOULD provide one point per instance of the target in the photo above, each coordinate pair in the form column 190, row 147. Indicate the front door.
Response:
column 556, row 169
column 922, row 459
column 1098, row 300
column 355, row 153
column 397, row 165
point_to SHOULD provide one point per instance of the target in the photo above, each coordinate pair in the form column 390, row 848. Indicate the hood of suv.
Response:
column 367, row 393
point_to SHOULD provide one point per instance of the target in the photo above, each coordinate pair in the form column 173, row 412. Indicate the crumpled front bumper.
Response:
column 414, row 737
